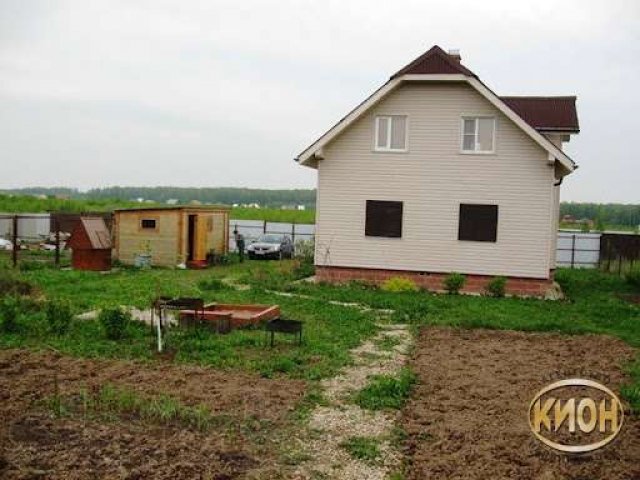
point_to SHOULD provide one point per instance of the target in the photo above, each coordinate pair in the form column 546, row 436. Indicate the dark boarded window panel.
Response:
column 384, row 219
column 478, row 223
column 148, row 223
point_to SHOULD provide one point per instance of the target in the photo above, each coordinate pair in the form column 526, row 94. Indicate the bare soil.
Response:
column 35, row 444
column 467, row 418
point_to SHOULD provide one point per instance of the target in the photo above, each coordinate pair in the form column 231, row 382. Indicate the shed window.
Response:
column 383, row 219
column 391, row 133
column 148, row 223
column 478, row 134
column 478, row 223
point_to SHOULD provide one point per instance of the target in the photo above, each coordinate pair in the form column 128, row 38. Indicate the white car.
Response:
column 5, row 244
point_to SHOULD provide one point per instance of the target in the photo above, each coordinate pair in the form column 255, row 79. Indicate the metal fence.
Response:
column 578, row 250
column 619, row 252
column 252, row 229
column 615, row 252
column 32, row 240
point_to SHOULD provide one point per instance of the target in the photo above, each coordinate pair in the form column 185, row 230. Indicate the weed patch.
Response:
column 109, row 401
column 386, row 391
column 366, row 449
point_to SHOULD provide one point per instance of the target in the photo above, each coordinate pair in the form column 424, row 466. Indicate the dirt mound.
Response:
column 467, row 416
column 34, row 444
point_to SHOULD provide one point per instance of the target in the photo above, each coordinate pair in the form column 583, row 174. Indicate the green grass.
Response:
column 110, row 401
column 329, row 330
column 386, row 391
column 594, row 305
column 366, row 449
column 387, row 342
column 30, row 204
column 273, row 215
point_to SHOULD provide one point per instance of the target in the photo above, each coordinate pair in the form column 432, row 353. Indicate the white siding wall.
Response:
column 432, row 179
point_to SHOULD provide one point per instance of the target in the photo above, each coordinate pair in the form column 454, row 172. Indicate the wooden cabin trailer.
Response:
column 171, row 235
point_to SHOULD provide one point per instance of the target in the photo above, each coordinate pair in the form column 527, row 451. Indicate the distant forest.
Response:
column 227, row 196
column 608, row 214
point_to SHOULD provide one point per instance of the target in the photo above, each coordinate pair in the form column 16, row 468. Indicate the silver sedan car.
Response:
column 271, row 245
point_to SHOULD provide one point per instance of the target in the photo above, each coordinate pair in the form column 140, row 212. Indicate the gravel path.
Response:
column 329, row 426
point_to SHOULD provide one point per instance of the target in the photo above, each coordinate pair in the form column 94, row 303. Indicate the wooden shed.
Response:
column 90, row 245
column 171, row 235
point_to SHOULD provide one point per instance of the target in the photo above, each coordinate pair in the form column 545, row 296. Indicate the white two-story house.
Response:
column 434, row 173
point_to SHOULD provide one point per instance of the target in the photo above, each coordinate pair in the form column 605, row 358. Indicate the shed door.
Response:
column 191, row 237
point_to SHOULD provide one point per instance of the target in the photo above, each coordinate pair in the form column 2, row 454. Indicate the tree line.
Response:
column 227, row 196
column 104, row 198
column 605, row 213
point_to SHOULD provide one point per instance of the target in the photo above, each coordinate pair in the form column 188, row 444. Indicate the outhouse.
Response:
column 90, row 245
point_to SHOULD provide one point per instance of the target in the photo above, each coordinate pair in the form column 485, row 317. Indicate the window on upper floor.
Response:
column 391, row 133
column 478, row 134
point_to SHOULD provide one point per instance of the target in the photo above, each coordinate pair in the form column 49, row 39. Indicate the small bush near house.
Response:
column 304, row 250
column 115, row 322
column 633, row 277
column 497, row 286
column 59, row 315
column 399, row 284
column 454, row 282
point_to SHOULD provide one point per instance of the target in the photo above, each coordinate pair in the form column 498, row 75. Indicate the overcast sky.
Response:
column 208, row 93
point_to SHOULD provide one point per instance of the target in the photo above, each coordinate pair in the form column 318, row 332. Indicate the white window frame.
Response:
column 476, row 144
column 389, row 118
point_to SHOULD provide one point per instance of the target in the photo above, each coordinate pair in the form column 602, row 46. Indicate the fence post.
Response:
column 293, row 233
column 573, row 249
column 57, row 233
column 14, row 234
column 264, row 226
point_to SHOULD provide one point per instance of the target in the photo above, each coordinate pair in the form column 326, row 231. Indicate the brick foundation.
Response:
column 519, row 286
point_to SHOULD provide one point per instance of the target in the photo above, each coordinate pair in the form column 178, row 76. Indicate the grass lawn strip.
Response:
column 343, row 440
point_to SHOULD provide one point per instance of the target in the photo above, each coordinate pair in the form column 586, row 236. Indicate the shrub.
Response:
column 11, row 284
column 454, row 282
column 115, row 322
column 10, row 311
column 497, row 286
column 59, row 316
column 633, row 277
column 305, row 250
column 304, row 268
column 399, row 284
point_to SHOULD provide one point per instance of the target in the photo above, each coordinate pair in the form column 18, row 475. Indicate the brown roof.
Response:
column 434, row 61
column 546, row 113
column 90, row 232
column 542, row 113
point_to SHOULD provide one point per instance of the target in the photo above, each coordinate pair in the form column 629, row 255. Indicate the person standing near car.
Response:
column 239, row 239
